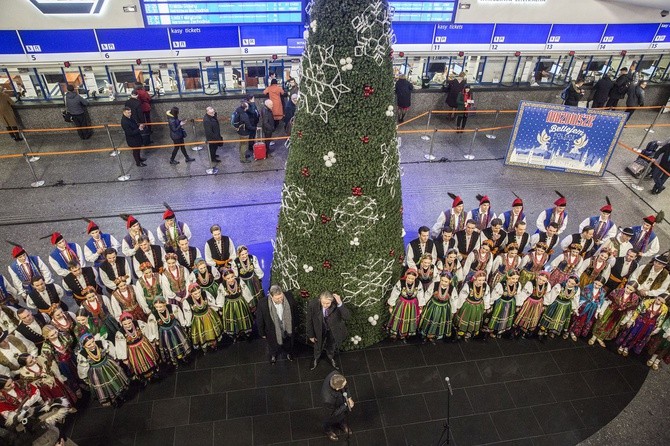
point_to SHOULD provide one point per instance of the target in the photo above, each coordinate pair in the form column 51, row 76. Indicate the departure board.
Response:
column 228, row 12
column 424, row 11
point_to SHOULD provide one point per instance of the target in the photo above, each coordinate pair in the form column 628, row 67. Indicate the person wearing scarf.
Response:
column 274, row 317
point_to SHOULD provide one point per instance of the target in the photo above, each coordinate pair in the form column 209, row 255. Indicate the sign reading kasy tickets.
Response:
column 562, row 138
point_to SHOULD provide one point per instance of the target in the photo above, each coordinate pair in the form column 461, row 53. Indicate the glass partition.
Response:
column 191, row 80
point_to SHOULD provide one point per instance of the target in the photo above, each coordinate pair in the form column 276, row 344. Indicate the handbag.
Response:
column 67, row 117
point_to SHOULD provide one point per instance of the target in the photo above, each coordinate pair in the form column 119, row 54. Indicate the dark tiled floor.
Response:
column 505, row 393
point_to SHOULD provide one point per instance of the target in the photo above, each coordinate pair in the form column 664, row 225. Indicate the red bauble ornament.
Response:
column 299, row 133
column 304, row 294
column 365, row 139
column 392, row 253
column 325, row 219
column 326, row 264
column 391, row 54
column 401, row 259
column 357, row 191
column 304, row 171
column 401, row 54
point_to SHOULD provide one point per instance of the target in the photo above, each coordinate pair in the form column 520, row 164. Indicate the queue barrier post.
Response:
column 469, row 155
column 114, row 152
column 33, row 157
column 650, row 129
column 124, row 176
column 495, row 121
column 426, row 137
column 212, row 169
column 429, row 156
column 195, row 136
column 37, row 182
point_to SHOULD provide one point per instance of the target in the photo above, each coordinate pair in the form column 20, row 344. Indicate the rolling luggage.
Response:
column 260, row 152
column 637, row 167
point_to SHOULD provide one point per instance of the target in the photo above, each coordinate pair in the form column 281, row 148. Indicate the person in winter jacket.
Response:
column 289, row 112
column 575, row 93
column 177, row 134
column 453, row 88
column 244, row 129
column 78, row 108
column 663, row 160
column 145, row 101
column 212, row 132
column 621, row 86
column 403, row 92
column 267, row 122
column 635, row 97
column 275, row 93
column 464, row 103
column 601, row 91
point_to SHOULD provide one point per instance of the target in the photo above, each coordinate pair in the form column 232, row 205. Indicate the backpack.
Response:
column 623, row 87
column 235, row 120
column 564, row 93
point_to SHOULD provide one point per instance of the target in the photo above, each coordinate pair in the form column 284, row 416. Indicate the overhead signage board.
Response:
column 11, row 49
column 662, row 37
column 462, row 37
column 203, row 40
column 629, row 36
column 573, row 37
column 52, row 45
column 125, row 43
column 424, row 11
column 261, row 39
column 413, row 36
column 518, row 36
column 295, row 47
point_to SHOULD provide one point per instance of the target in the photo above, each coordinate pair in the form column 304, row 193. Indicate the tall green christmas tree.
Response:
column 340, row 223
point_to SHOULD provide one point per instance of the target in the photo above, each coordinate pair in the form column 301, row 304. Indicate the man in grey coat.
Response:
column 635, row 97
column 77, row 107
column 325, row 325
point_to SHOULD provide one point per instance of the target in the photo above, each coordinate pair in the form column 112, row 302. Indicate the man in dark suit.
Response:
column 276, row 318
column 133, row 132
column 337, row 405
column 325, row 325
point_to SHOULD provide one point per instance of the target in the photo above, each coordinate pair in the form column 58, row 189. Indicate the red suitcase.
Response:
column 259, row 148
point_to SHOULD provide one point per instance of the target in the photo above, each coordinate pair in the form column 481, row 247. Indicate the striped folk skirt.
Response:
column 502, row 316
column 556, row 318
column 608, row 326
column 436, row 319
column 206, row 329
column 256, row 287
column 107, row 380
column 469, row 317
column 529, row 316
column 405, row 318
column 142, row 358
column 658, row 345
column 173, row 343
column 236, row 317
column 637, row 336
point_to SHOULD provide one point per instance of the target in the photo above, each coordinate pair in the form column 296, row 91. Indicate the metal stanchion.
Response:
column 195, row 136
column 32, row 158
column 650, row 129
column 469, row 155
column 212, row 169
column 37, row 182
column 495, row 121
column 114, row 152
column 429, row 156
column 124, row 176
column 426, row 137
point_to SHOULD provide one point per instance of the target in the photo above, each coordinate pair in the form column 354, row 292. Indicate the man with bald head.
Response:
column 212, row 132
column 267, row 123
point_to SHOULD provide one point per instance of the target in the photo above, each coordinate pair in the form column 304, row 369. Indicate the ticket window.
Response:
column 546, row 70
column 191, row 78
column 276, row 71
column 652, row 67
column 292, row 75
column 164, row 79
column 24, row 82
column 123, row 79
column 512, row 70
column 232, row 72
column 53, row 83
column 595, row 69
column 213, row 78
column 412, row 69
column 144, row 76
column 475, row 68
column 493, row 70
column 75, row 78
column 97, row 81
column 254, row 74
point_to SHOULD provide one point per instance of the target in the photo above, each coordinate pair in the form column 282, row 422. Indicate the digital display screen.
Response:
column 230, row 12
column 424, row 11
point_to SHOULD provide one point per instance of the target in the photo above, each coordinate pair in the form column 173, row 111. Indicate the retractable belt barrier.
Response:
column 429, row 133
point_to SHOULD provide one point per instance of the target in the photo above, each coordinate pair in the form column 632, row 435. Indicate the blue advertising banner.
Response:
column 565, row 139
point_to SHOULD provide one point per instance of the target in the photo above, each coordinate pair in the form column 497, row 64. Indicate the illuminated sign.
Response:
column 68, row 6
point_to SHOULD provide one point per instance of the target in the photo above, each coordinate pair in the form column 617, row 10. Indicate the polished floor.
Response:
column 505, row 392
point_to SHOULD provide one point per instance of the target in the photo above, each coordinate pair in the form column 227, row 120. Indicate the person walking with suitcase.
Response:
column 267, row 124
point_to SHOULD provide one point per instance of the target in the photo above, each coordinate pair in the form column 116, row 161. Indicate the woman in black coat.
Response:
column 575, row 93
column 403, row 92
column 453, row 89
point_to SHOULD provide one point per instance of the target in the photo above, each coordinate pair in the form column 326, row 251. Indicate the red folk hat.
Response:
column 483, row 199
column 561, row 201
column 18, row 251
column 457, row 199
column 91, row 227
column 56, row 237
column 131, row 221
column 517, row 202
column 651, row 219
column 608, row 207
column 167, row 215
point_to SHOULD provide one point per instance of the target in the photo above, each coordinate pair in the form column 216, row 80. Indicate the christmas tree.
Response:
column 340, row 223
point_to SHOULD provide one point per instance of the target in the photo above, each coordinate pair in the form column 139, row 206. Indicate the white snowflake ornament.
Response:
column 329, row 159
column 389, row 110
column 307, row 268
column 345, row 64
column 372, row 321
column 312, row 25
column 354, row 242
